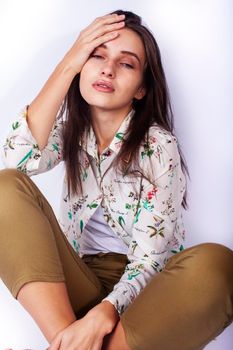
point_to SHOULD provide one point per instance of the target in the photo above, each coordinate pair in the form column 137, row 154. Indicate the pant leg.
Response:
column 33, row 247
column 108, row 267
column 186, row 305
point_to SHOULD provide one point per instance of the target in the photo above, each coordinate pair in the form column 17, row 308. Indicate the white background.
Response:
column 195, row 39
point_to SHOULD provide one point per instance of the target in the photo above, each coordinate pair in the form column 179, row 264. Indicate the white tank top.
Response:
column 99, row 237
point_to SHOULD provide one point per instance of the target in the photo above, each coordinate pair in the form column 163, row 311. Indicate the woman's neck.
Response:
column 105, row 125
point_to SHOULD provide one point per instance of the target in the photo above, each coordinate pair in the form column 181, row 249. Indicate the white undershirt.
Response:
column 99, row 237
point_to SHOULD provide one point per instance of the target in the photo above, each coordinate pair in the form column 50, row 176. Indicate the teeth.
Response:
column 105, row 86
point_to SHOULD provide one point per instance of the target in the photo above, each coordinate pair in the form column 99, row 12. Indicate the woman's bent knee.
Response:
column 206, row 254
column 220, row 261
column 213, row 248
column 193, row 296
column 12, row 183
column 8, row 176
column 10, row 179
column 212, row 262
column 214, row 255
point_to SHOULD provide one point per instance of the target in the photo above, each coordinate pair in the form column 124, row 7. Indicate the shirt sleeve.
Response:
column 22, row 152
column 158, row 231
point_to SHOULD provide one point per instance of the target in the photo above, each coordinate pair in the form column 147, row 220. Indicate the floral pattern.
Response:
column 146, row 216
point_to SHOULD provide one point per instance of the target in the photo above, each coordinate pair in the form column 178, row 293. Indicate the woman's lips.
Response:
column 103, row 86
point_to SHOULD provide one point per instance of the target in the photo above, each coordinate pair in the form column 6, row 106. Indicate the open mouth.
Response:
column 103, row 86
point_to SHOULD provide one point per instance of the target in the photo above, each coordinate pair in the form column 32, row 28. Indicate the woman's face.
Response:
column 113, row 74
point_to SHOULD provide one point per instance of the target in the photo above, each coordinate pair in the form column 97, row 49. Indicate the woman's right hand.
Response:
column 101, row 30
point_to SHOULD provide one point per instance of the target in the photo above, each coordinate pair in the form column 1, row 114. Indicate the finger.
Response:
column 102, row 22
column 104, row 38
column 107, row 19
column 104, row 30
column 87, row 36
column 111, row 16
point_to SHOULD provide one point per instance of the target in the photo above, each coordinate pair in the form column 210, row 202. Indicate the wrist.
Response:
column 71, row 63
column 109, row 306
column 66, row 67
column 105, row 314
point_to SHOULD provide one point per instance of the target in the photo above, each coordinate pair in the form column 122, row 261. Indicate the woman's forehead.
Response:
column 127, row 42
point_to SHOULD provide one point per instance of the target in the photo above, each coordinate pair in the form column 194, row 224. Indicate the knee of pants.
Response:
column 213, row 261
column 9, row 181
column 9, row 175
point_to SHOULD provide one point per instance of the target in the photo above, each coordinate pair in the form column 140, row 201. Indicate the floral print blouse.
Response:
column 147, row 217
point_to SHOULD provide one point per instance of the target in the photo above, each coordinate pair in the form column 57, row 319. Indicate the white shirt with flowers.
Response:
column 148, row 218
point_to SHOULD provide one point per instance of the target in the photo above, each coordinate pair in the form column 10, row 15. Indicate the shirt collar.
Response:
column 89, row 143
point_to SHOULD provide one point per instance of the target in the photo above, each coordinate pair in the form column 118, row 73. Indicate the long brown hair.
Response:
column 154, row 107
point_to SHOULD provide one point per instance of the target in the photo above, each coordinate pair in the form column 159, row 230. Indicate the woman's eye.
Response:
column 97, row 56
column 127, row 65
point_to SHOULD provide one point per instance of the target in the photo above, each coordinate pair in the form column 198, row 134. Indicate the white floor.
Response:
column 18, row 331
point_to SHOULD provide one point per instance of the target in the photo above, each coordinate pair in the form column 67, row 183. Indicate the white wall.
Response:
column 195, row 38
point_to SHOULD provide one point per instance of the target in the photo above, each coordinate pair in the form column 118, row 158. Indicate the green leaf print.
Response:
column 76, row 246
column 150, row 152
column 92, row 205
column 147, row 205
column 9, row 144
column 137, row 215
column 134, row 246
column 160, row 232
column 55, row 147
column 22, row 169
column 49, row 165
column 69, row 215
column 133, row 275
column 127, row 206
column 155, row 231
column 181, row 248
column 28, row 155
column 84, row 175
column 15, row 125
column 119, row 135
column 81, row 225
column 121, row 221
column 147, row 151
column 135, row 271
column 155, row 265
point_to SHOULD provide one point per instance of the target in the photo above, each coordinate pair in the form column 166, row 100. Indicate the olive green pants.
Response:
column 183, row 307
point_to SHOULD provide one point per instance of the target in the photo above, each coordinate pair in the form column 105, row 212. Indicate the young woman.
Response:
column 113, row 274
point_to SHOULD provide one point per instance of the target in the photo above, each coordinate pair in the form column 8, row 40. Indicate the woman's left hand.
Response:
column 88, row 332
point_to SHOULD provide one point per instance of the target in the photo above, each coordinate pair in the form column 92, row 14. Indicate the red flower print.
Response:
column 151, row 193
column 153, row 139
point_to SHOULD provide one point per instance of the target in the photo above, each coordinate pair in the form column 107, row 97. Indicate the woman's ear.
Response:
column 140, row 93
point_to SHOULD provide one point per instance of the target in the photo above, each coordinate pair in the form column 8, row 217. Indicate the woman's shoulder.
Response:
column 159, row 138
column 159, row 134
column 159, row 152
column 159, row 146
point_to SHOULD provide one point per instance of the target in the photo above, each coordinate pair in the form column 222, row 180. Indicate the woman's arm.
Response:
column 158, row 231
column 44, row 108
column 34, row 144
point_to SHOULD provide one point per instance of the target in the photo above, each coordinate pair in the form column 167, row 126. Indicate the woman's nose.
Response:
column 108, row 70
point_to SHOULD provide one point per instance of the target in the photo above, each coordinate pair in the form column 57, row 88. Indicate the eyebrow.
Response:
column 123, row 52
